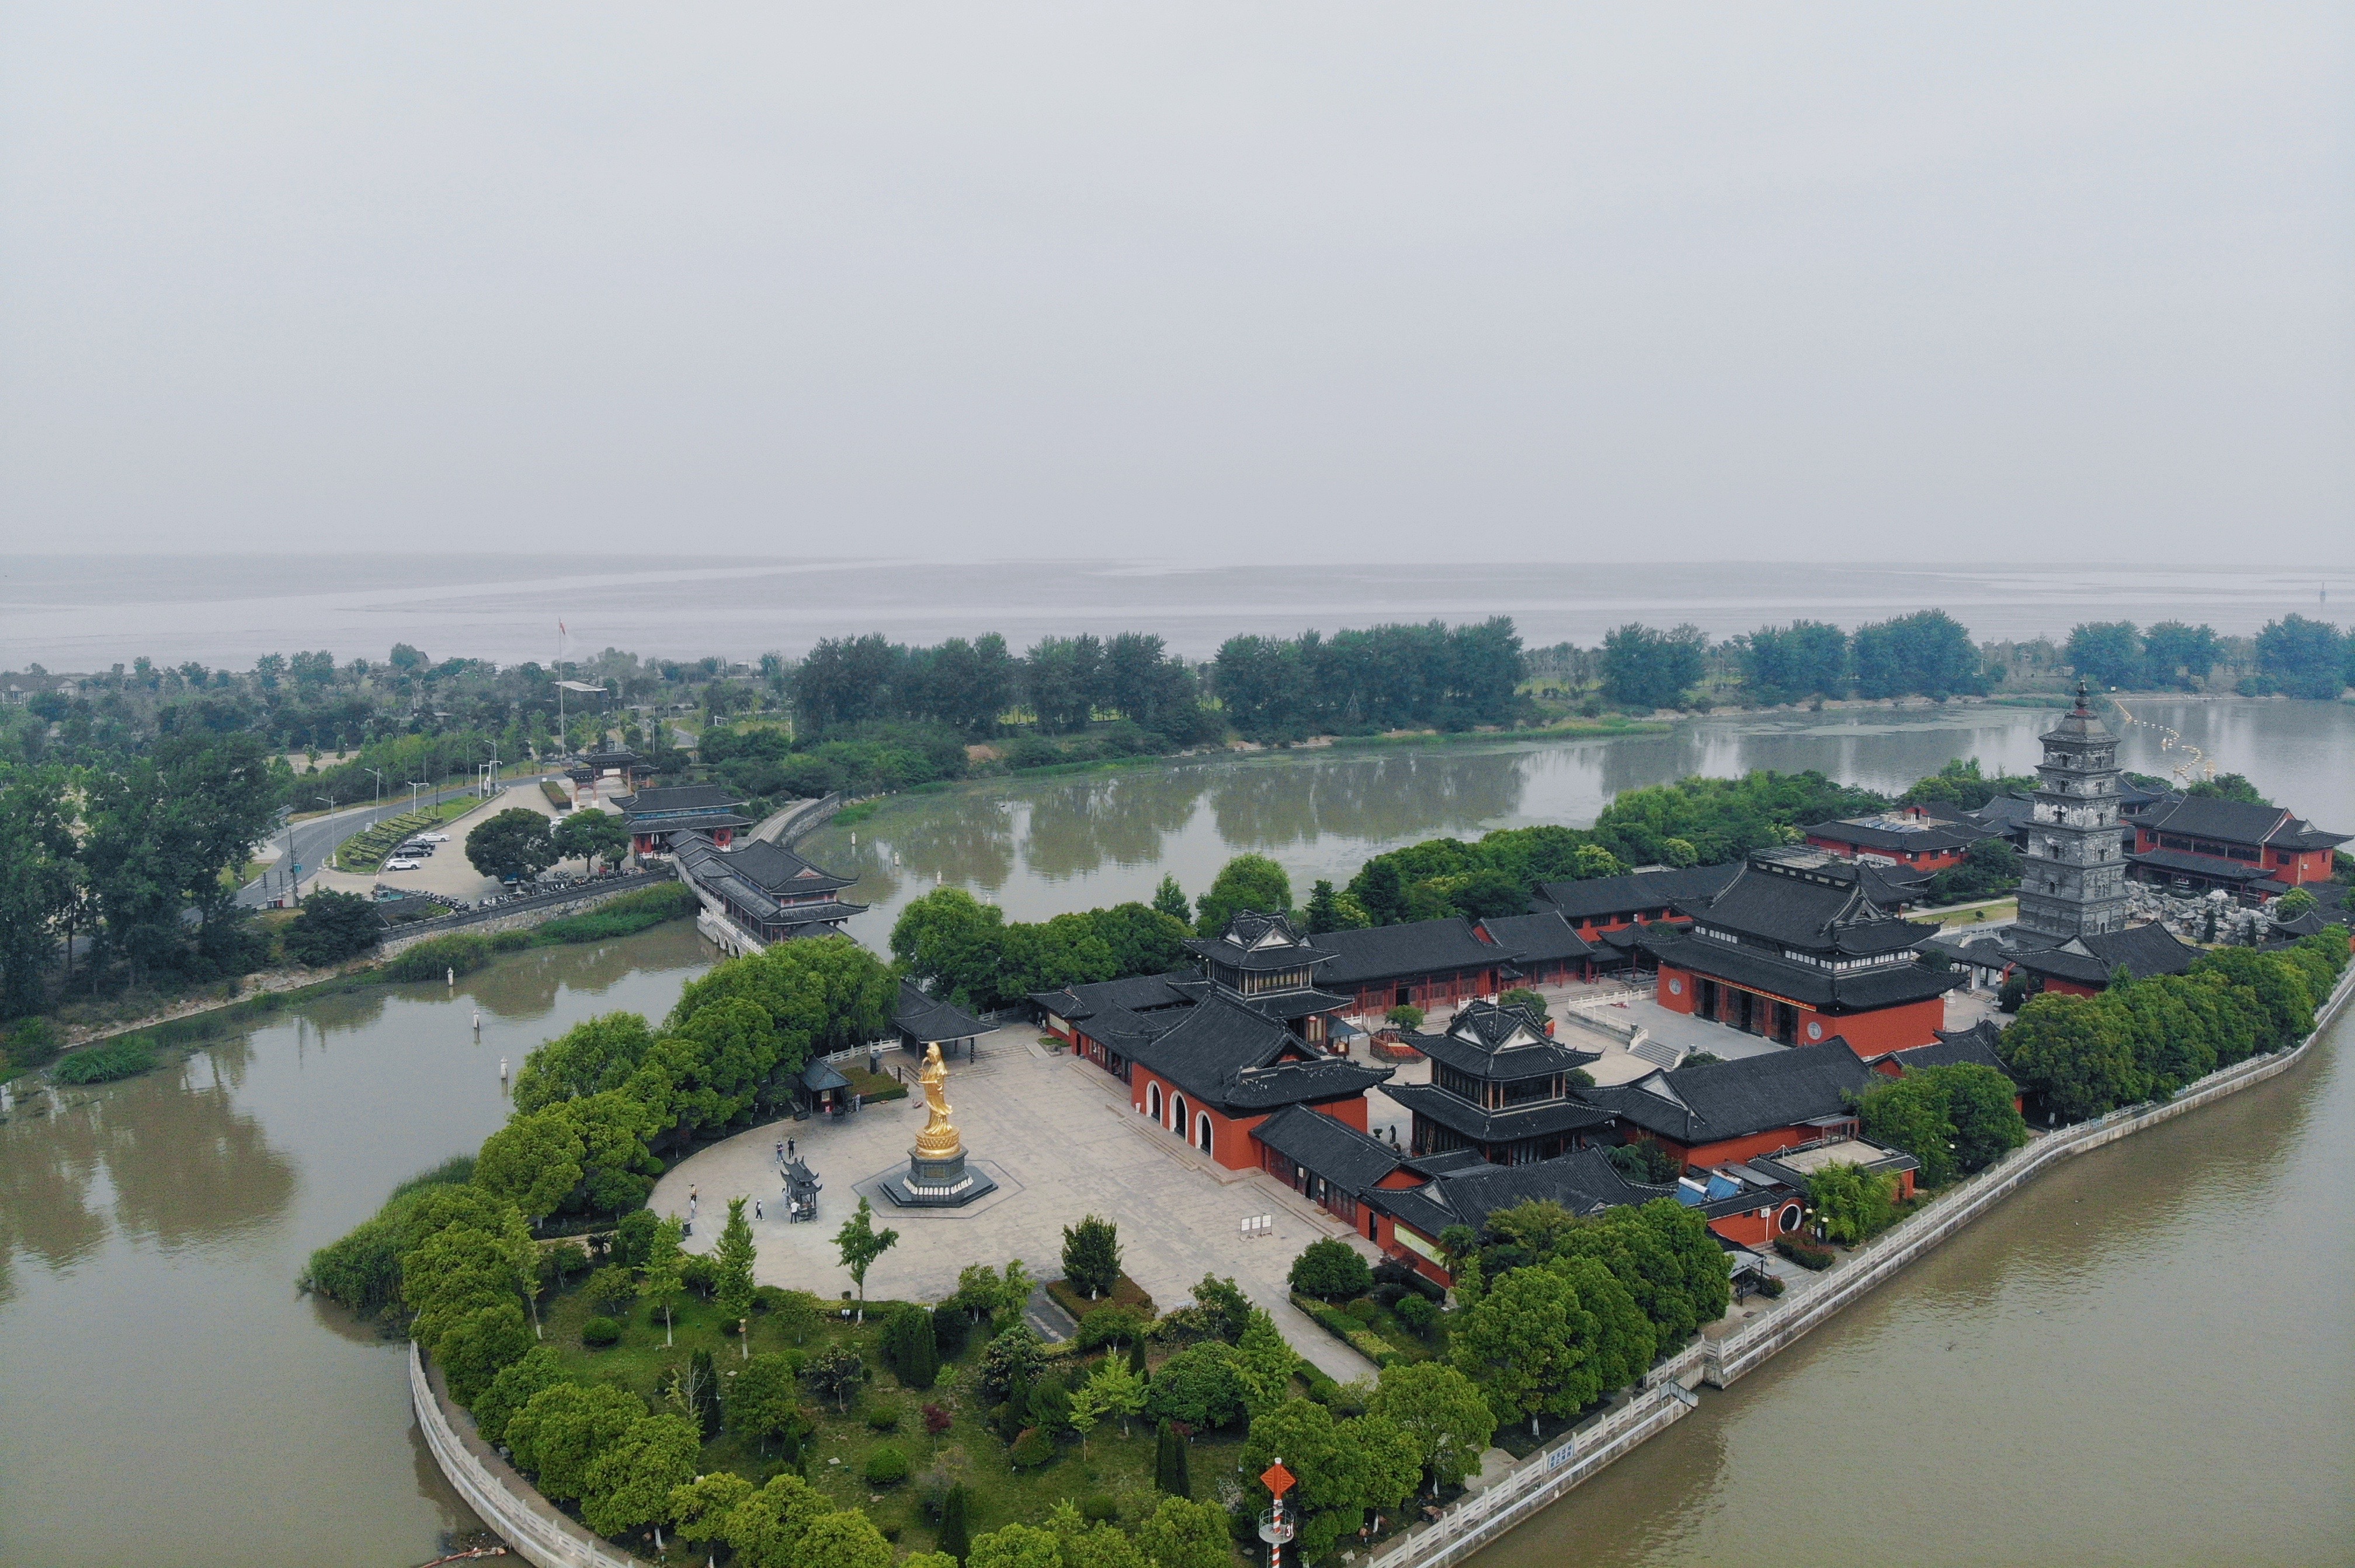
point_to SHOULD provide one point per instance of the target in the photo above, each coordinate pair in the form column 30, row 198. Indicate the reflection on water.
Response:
column 1039, row 848
column 170, row 1397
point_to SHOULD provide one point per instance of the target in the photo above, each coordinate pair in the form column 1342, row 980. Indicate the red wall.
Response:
column 1883, row 1031
column 1919, row 860
column 1231, row 1144
column 1751, row 1229
column 1679, row 998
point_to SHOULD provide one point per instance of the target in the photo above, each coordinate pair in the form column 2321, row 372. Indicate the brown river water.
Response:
column 2148, row 1357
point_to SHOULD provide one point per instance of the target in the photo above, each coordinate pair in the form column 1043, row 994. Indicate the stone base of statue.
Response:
column 937, row 1181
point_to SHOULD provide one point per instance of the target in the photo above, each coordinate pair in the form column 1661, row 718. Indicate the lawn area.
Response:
column 2001, row 909
column 1111, row 1465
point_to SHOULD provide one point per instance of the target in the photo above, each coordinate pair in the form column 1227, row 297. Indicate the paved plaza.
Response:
column 1059, row 1135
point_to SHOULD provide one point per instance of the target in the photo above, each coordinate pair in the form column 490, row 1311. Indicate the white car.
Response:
column 400, row 863
column 433, row 838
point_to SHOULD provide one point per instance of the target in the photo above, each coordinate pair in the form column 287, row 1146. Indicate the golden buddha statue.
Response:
column 939, row 1140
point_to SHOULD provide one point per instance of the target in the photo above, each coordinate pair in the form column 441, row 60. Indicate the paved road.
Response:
column 315, row 839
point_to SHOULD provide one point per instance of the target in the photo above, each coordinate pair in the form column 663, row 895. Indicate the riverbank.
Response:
column 1670, row 1392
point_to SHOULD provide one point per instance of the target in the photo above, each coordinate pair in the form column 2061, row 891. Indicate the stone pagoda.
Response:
column 2075, row 883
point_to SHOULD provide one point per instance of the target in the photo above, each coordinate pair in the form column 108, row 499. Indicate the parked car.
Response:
column 400, row 863
column 433, row 838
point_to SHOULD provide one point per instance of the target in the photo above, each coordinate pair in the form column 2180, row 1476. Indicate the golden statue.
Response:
column 939, row 1140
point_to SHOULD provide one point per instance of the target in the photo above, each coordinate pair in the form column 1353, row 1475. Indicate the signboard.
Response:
column 1415, row 1243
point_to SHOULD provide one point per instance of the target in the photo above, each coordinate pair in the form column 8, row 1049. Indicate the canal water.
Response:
column 2148, row 1357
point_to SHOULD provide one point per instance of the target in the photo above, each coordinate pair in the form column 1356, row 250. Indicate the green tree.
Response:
column 1345, row 1468
column 1442, row 1410
column 1331, row 1270
column 513, row 1388
column 1982, row 1105
column 1927, row 653
column 835, row 1373
column 732, row 1260
column 1850, row 1204
column 1264, row 1364
column 563, row 1427
column 1530, row 1344
column 534, row 1161
column 2076, row 1056
column 590, row 836
column 1010, row 1360
column 910, row 1346
column 762, row 1402
column 1169, row 899
column 857, row 1245
column 1182, row 1533
column 1091, row 1256
column 1116, row 1391
column 1523, row 997
column 701, row 1507
column 42, row 886
column 513, row 845
column 955, row 1534
column 630, row 1481
column 1201, row 1386
column 332, row 927
column 1169, row 1462
column 667, row 1270
column 950, row 941
column 1646, row 668
column 1251, row 883
column 2177, row 654
column 2301, row 657
column 1911, row 1114
column 2108, row 653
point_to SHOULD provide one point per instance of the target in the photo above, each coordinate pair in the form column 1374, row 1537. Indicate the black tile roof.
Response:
column 1486, row 1126
column 781, row 871
column 1259, row 941
column 925, row 1019
column 1354, row 1161
column 1226, row 1056
column 2144, row 950
column 1390, row 952
column 2234, row 821
column 2174, row 861
column 1975, row 1045
column 1720, row 1100
column 1499, row 1044
column 715, row 871
column 1598, row 898
column 1137, row 993
column 1857, row 990
column 680, row 799
column 1929, row 835
column 1583, row 1181
column 1544, row 937
column 1827, row 907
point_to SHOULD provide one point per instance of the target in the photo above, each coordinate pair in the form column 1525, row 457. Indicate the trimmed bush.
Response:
column 600, row 1332
column 1417, row 1314
column 883, row 1418
column 1032, row 1450
column 1807, row 1254
column 887, row 1466
column 1331, row 1270
column 1097, row 1507
column 1363, row 1309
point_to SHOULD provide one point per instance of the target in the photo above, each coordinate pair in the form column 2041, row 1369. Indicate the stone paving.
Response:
column 1059, row 1135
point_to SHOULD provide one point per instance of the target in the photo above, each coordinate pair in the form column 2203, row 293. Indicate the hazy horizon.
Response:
column 1219, row 284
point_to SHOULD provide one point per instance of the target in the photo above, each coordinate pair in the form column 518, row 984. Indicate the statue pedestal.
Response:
column 937, row 1182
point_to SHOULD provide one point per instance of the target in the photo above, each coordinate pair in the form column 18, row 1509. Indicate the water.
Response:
column 82, row 613
column 1040, row 847
column 2117, row 1385
column 169, row 1396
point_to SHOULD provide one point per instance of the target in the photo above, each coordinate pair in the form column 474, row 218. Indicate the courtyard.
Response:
column 1060, row 1138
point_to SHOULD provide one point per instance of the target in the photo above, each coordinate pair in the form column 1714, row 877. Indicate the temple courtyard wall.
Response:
column 1058, row 1135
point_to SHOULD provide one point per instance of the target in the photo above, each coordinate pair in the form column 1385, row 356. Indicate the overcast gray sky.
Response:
column 1199, row 281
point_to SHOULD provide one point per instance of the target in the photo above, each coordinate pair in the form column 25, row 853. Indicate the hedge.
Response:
column 1347, row 1330
column 1807, row 1254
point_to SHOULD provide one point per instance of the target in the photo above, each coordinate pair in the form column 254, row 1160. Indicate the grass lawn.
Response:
column 1125, row 1292
column 2002, row 909
column 1116, row 1466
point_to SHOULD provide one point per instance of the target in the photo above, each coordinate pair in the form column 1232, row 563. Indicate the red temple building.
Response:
column 1912, row 839
column 2261, row 851
column 1802, row 947
column 1426, row 963
column 769, row 892
column 1500, row 1088
column 661, row 819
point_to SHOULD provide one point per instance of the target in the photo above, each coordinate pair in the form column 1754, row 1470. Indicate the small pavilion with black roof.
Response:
column 767, row 890
column 660, row 819
column 924, row 1020
column 1500, row 1088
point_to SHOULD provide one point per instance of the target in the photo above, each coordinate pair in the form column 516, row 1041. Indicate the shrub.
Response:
column 1098, row 1508
column 1403, row 1017
column 884, row 1417
column 1032, row 1450
column 936, row 1420
column 1417, row 1314
column 1770, row 1288
column 511, row 942
column 1331, row 1270
column 430, row 959
column 700, row 1274
column 124, row 1056
column 633, row 1236
column 951, row 1328
column 1807, row 1254
column 1363, row 1309
column 32, row 1042
column 887, row 1466
column 600, row 1332
column 767, row 1298
column 1109, row 1325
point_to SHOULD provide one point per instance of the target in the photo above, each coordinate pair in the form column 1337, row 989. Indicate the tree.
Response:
column 1850, row 1204
column 733, row 1261
column 513, row 846
column 43, row 883
column 910, row 1349
column 2301, row 657
column 1442, row 1410
column 1169, row 1462
column 666, row 1269
column 1200, row 1386
column 1010, row 1360
column 859, row 1243
column 1331, row 1270
column 2075, row 1056
column 701, row 1507
column 1224, row 1306
column 563, row 1427
column 1529, row 1345
column 1264, row 1364
column 1646, row 668
column 835, row 1372
column 1091, row 1256
column 2108, row 653
column 590, row 834
column 332, row 927
column 1910, row 1114
column 1114, row 1390
column 1345, row 1468
column 1789, row 664
column 1530, row 1001
column 694, row 1391
column 1169, row 899
column 955, row 1534
column 1110, row 1324
column 630, row 1481
column 2178, row 654
column 513, row 1388
column 1928, row 654
column 1324, row 911
column 762, row 1403
column 1182, row 1533
column 1251, row 883
column 534, row 1161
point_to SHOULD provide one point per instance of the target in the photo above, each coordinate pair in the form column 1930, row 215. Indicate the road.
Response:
column 315, row 839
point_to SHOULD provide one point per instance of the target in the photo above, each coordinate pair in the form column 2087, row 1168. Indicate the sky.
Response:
column 1205, row 283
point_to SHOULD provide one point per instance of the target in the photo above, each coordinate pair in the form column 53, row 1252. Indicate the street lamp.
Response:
column 415, row 785
column 378, row 774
